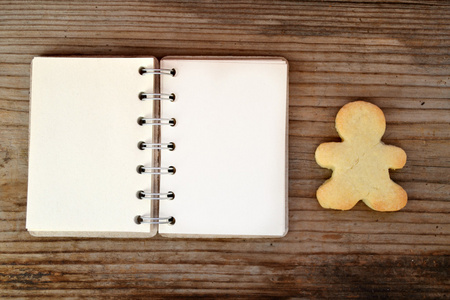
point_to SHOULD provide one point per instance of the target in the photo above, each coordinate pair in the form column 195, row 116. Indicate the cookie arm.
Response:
column 326, row 155
column 395, row 157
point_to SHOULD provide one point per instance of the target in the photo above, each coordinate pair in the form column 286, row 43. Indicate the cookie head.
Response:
column 360, row 120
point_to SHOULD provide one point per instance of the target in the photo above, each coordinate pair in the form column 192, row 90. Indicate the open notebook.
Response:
column 129, row 147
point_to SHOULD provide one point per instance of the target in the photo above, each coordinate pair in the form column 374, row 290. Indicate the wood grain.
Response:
column 394, row 54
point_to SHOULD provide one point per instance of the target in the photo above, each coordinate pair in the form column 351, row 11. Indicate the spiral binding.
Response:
column 144, row 71
column 156, row 170
column 149, row 220
column 152, row 146
column 155, row 196
column 154, row 96
column 156, row 121
column 141, row 169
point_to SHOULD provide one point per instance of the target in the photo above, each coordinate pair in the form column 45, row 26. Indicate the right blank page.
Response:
column 231, row 147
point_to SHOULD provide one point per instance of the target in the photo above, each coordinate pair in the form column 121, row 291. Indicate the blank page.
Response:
column 83, row 146
column 230, row 154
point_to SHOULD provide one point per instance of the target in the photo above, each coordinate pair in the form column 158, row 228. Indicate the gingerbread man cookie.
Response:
column 361, row 162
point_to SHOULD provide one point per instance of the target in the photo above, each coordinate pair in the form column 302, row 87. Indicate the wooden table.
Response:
column 393, row 54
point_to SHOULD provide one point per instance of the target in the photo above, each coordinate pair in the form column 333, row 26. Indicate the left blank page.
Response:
column 83, row 153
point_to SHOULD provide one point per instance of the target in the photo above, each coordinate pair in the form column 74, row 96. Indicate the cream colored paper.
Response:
column 83, row 146
column 230, row 156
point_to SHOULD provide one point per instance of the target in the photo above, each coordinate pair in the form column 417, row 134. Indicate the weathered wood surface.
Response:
column 394, row 54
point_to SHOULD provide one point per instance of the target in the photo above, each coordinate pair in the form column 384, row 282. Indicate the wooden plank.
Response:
column 394, row 54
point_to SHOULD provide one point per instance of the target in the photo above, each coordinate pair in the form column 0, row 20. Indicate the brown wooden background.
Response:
column 394, row 54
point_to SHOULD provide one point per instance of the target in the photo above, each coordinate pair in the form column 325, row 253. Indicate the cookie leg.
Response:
column 336, row 194
column 391, row 197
